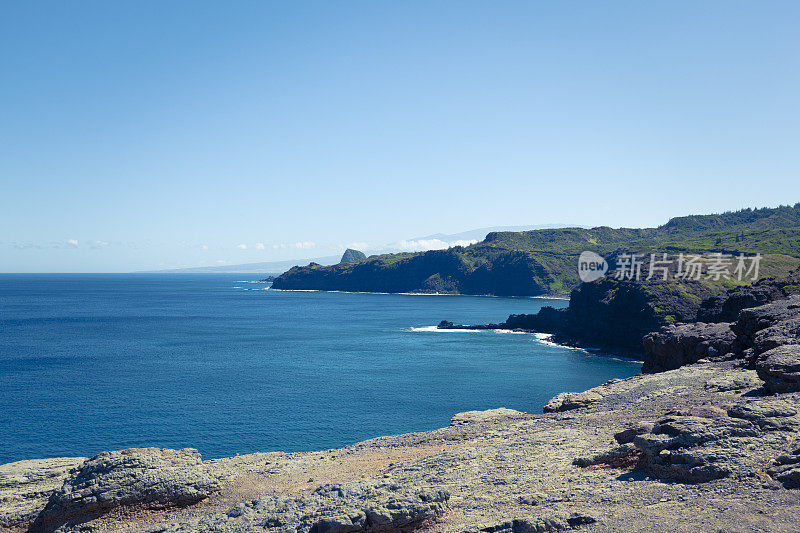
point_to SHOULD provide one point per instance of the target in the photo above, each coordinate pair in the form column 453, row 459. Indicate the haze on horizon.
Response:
column 151, row 135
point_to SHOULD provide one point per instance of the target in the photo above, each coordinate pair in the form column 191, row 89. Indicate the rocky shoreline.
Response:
column 700, row 448
column 705, row 440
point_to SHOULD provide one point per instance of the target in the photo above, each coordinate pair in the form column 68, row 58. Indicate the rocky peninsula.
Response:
column 709, row 445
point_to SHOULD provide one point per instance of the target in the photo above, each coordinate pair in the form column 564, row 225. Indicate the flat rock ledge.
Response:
column 472, row 417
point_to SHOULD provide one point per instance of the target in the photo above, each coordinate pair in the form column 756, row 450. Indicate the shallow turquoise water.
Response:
column 97, row 362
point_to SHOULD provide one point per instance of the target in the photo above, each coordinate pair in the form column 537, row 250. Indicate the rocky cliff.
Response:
column 438, row 271
column 545, row 261
column 613, row 315
column 643, row 317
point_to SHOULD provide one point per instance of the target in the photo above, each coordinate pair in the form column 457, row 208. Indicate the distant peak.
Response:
column 351, row 255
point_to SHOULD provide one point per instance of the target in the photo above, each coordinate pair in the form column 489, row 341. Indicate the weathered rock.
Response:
column 753, row 320
column 746, row 379
column 25, row 487
column 784, row 332
column 625, row 456
column 537, row 525
column 768, row 414
column 566, row 401
column 678, row 447
column 786, row 470
column 471, row 417
column 780, row 368
column 626, row 436
column 370, row 505
column 682, row 344
column 134, row 477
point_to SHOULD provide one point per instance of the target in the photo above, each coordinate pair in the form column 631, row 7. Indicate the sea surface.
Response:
column 218, row 363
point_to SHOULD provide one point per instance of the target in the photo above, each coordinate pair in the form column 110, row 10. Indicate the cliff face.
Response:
column 615, row 315
column 443, row 271
column 545, row 261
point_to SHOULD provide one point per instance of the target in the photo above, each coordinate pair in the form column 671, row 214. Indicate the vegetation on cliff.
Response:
column 540, row 262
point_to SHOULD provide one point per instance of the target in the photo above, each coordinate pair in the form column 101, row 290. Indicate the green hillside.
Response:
column 541, row 262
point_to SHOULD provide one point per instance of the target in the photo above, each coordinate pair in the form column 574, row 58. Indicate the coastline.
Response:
column 573, row 468
column 544, row 338
column 538, row 296
column 710, row 445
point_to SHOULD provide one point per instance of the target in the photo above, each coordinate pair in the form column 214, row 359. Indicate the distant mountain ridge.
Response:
column 269, row 267
column 540, row 262
column 481, row 233
column 276, row 267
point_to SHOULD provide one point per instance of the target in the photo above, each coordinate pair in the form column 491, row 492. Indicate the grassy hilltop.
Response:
column 541, row 262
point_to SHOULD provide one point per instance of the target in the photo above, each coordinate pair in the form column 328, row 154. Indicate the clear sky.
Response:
column 150, row 134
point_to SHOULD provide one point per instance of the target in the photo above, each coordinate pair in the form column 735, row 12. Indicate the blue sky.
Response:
column 141, row 135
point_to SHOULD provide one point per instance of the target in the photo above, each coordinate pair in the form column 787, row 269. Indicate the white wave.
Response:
column 420, row 293
column 436, row 329
column 511, row 332
column 547, row 339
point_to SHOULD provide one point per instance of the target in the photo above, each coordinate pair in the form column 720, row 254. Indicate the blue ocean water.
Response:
column 98, row 362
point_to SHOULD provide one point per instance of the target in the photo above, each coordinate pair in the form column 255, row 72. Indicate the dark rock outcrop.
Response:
column 547, row 320
column 726, row 307
column 134, row 477
column 682, row 344
column 766, row 337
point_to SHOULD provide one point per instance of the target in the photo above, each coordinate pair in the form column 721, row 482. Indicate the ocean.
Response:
column 93, row 362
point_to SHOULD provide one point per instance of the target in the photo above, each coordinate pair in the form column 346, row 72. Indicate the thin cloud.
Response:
column 260, row 246
column 27, row 246
column 72, row 242
column 241, row 246
column 422, row 245
column 300, row 245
